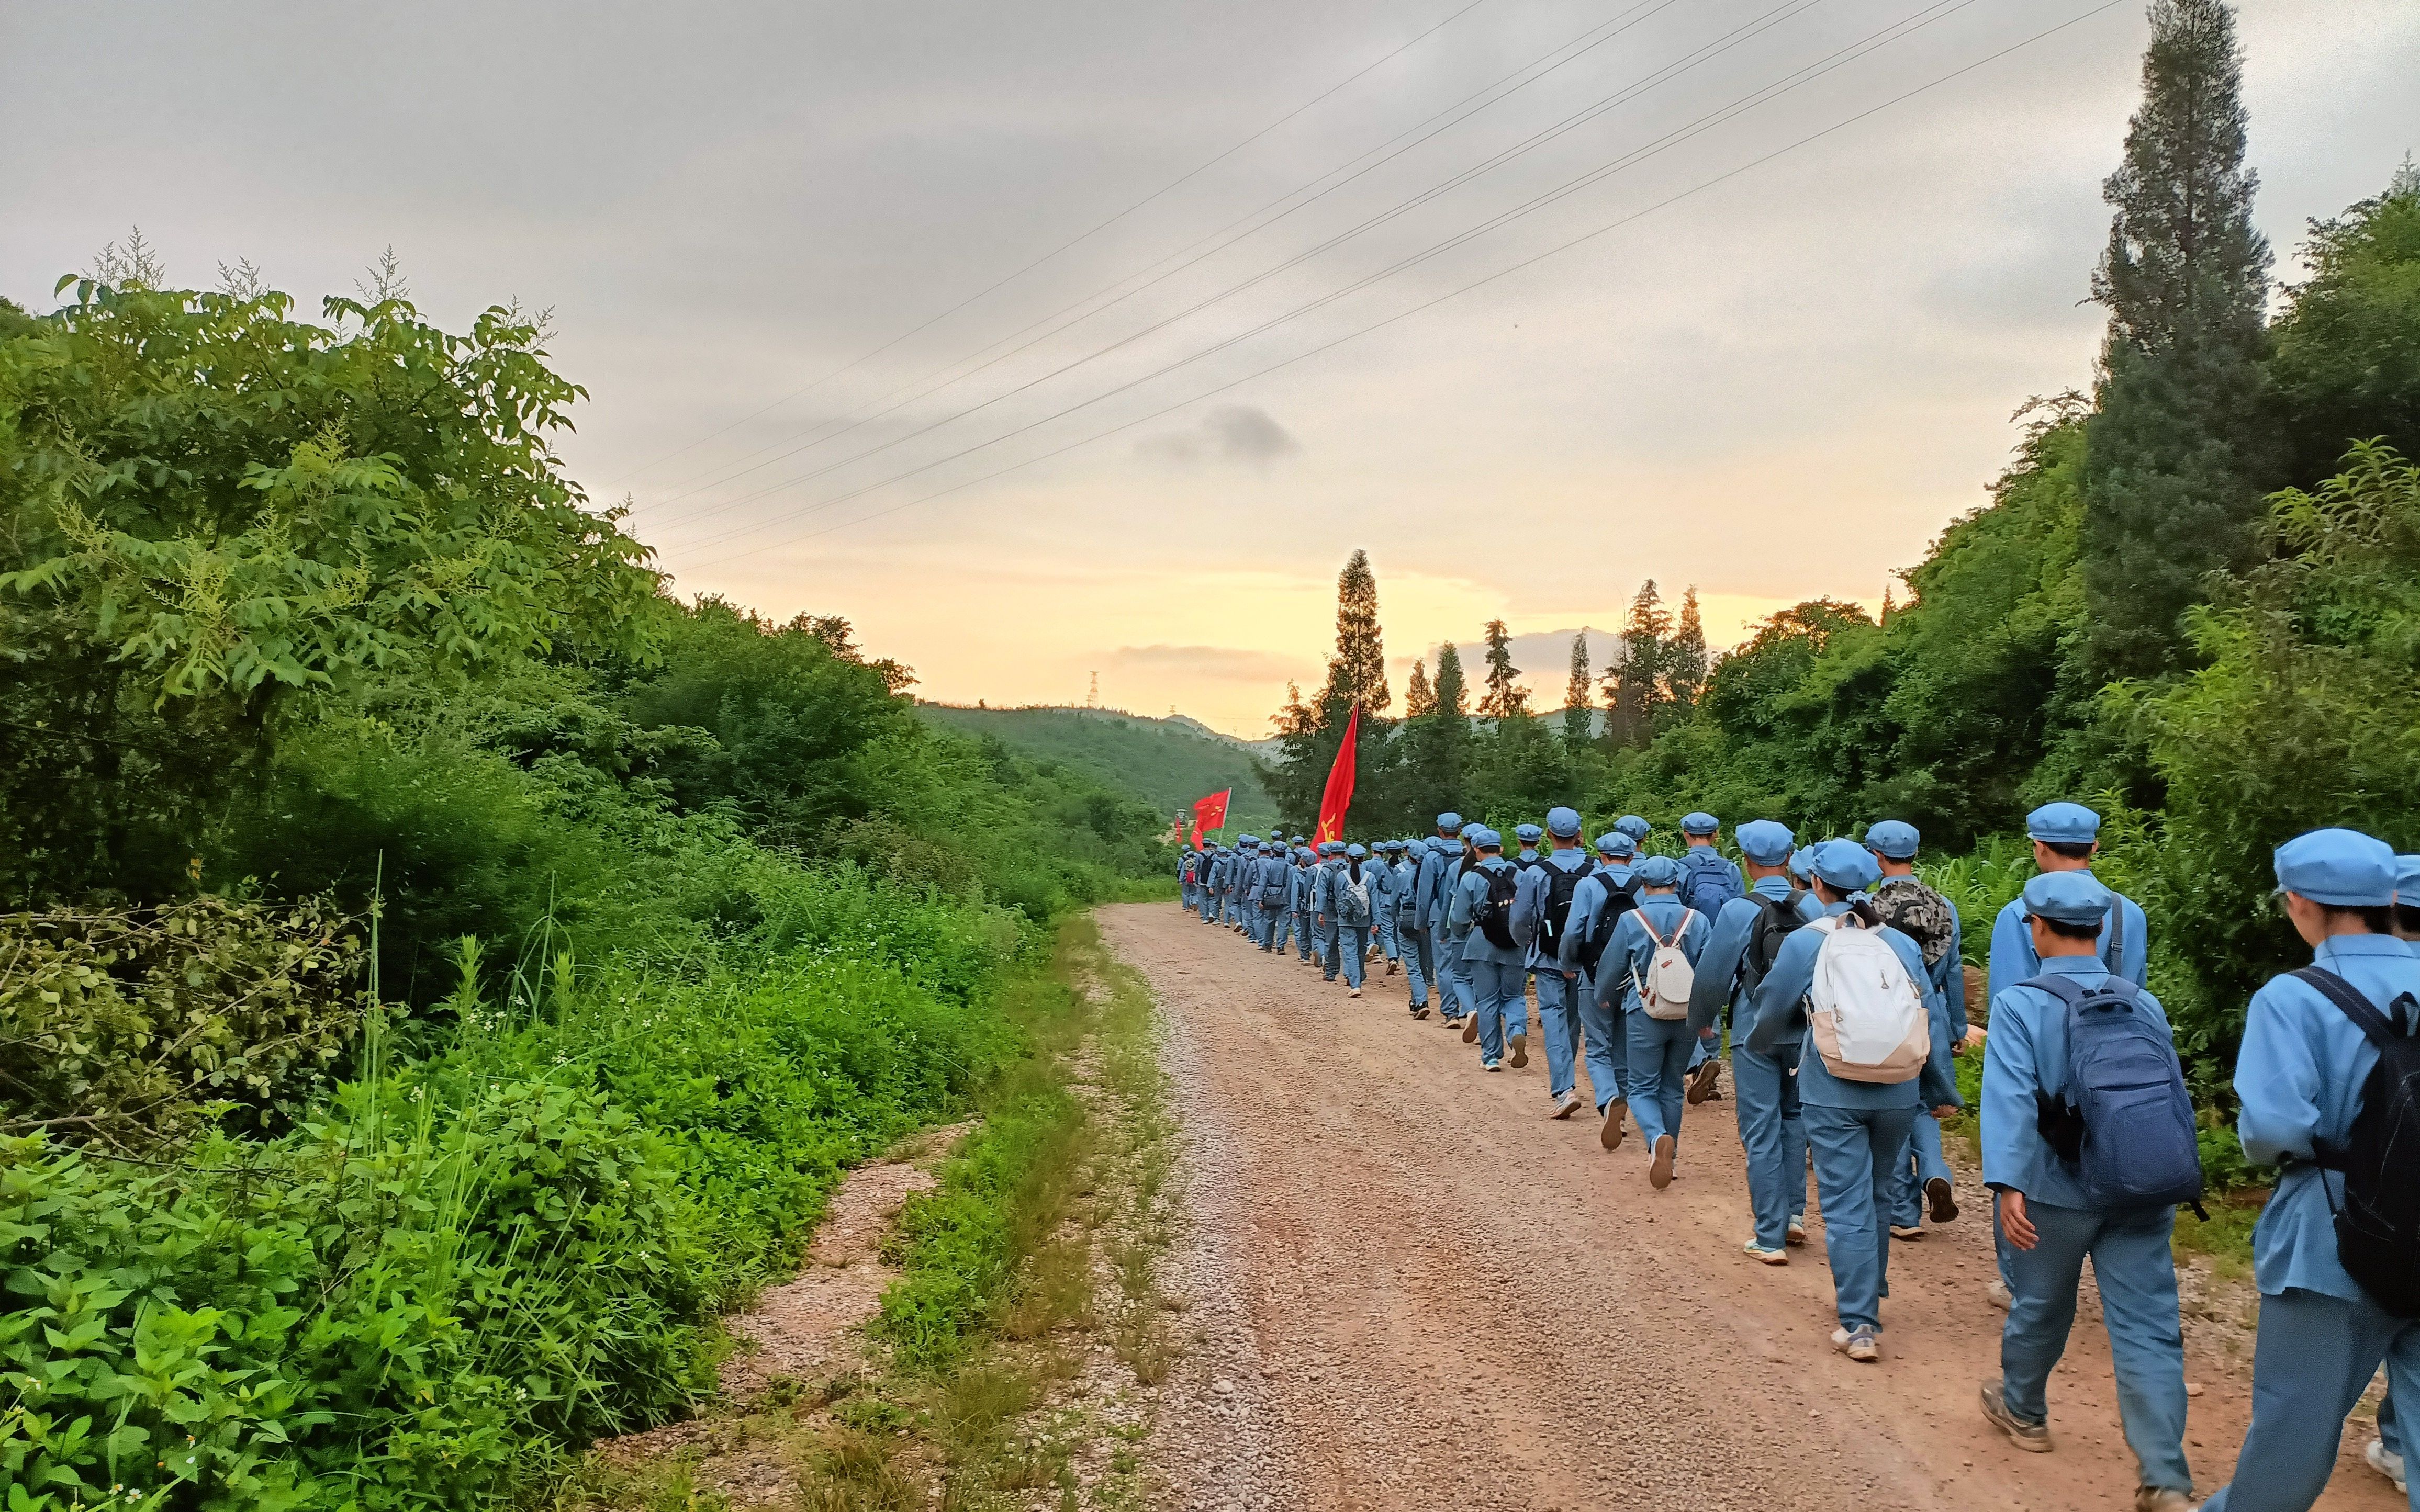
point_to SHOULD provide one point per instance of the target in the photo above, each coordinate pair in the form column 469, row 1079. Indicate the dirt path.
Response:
column 1410, row 1289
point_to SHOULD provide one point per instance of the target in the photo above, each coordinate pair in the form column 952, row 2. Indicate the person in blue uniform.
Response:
column 2054, row 1225
column 1499, row 1013
column 1924, row 1186
column 1529, row 836
column 1544, row 908
column 2299, row 1078
column 1659, row 1034
column 1382, row 927
column 1420, row 964
column 1430, row 905
column 1746, row 935
column 1331, row 861
column 1607, row 1045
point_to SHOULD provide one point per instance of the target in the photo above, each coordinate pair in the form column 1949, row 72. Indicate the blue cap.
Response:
column 1247, row 839
column 1617, row 844
column 1449, row 823
column 1302, row 853
column 1847, row 865
column 1564, row 824
column 1483, row 839
column 1763, row 842
column 1894, row 838
column 1530, row 834
column 1356, row 851
column 2063, row 824
column 2067, row 898
column 2407, row 880
column 1659, row 871
column 2340, row 868
column 1700, row 823
column 1634, row 826
column 1802, row 862
column 1334, row 847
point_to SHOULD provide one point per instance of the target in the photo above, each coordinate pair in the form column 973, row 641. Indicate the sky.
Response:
column 1079, row 337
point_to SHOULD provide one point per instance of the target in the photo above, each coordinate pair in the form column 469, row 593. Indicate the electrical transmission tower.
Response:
column 1093, row 699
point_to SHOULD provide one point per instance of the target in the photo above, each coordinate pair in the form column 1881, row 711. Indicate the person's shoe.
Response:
column 1519, row 1045
column 1492, row 1065
column 1857, row 1343
column 1703, row 1080
column 1907, row 1230
column 1609, row 1132
column 2034, row 1438
column 1755, row 1251
column 1355, row 992
column 2389, row 1465
column 1566, row 1105
column 1943, row 1204
column 2000, row 1294
column 1391, row 967
column 1471, row 1029
column 1797, row 1232
column 1420, row 1011
column 2163, row 1498
column 1714, row 1094
column 1659, row 1169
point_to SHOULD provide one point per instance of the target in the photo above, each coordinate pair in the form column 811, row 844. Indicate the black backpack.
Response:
column 1493, row 918
column 1617, row 901
column 1776, row 921
column 2378, row 1223
column 1559, row 887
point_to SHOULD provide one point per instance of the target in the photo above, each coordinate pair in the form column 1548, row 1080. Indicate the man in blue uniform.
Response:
column 1930, row 921
column 1541, row 913
column 1529, row 835
column 1596, row 905
column 1439, row 868
column 1657, row 1026
column 1499, row 1013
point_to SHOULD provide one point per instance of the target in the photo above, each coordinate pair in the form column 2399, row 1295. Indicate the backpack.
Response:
column 2125, row 1122
column 1407, row 908
column 2377, row 1224
column 1670, row 978
column 1707, row 885
column 1865, row 1012
column 1918, row 911
column 1493, row 918
column 1617, row 901
column 1776, row 921
column 1352, row 899
column 1275, row 885
column 1560, row 885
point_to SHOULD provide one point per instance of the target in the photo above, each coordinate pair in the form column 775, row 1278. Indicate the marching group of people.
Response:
column 1839, row 977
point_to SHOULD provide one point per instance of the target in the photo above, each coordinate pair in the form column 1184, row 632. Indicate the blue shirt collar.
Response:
column 2357, row 945
column 1776, row 888
column 2075, row 966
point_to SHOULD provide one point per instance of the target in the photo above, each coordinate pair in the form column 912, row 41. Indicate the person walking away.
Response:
column 1635, row 828
column 1185, row 865
column 2385, row 1453
column 2329, row 1080
column 1429, row 907
column 1216, row 875
column 1655, row 950
column 1923, row 1184
column 1331, row 861
column 1597, row 905
column 1357, row 905
column 1707, row 881
column 1419, row 963
column 2058, row 1041
column 1301, row 894
column 1457, row 970
column 1492, row 955
column 1541, row 910
column 1382, row 870
column 1274, row 896
column 1529, row 836
column 1740, row 950
column 1857, row 989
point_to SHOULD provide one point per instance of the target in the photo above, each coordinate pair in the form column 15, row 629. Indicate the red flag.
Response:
column 1210, row 814
column 1339, row 797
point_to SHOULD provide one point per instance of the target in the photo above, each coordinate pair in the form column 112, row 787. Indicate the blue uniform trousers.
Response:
column 1353, row 941
column 1419, row 963
column 1773, row 1132
column 1454, row 973
column 1856, row 1149
column 1384, row 928
column 2313, row 1358
column 1280, row 930
column 1659, row 1069
column 1608, row 1049
column 1331, row 958
column 1558, row 1024
column 1302, row 930
column 1497, row 998
column 2136, row 1272
column 1923, row 1164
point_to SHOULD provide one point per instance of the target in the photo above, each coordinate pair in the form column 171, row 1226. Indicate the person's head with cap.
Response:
column 1448, row 823
column 1563, row 827
column 1529, row 836
column 2407, row 897
column 2065, row 835
column 2065, row 911
column 1893, row 842
column 1841, row 868
column 1802, row 863
column 1484, row 840
column 2336, row 882
column 1634, row 826
column 1765, row 846
column 1613, row 844
column 1699, row 828
column 1658, row 874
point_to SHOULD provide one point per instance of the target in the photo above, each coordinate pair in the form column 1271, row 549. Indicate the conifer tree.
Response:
column 1505, row 697
column 2177, row 457
column 1356, row 673
column 1452, row 697
column 1438, row 756
column 1684, row 673
column 1634, row 689
column 1579, row 696
column 1417, row 699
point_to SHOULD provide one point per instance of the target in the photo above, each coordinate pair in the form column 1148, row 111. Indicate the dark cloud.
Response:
column 1229, row 663
column 1235, row 433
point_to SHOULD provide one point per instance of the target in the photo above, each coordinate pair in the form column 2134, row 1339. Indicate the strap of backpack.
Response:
column 2356, row 1007
column 2117, row 936
column 2073, row 992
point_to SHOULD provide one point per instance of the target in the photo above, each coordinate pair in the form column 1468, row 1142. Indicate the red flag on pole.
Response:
column 1210, row 814
column 1339, row 797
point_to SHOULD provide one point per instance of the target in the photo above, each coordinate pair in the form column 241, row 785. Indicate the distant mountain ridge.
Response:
column 1167, row 762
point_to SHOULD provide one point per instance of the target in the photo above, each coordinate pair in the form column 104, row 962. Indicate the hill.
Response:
column 1167, row 762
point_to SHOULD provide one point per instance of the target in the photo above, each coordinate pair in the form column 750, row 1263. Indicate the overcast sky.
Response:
column 771, row 233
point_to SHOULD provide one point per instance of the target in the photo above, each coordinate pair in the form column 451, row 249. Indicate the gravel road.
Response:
column 1411, row 1290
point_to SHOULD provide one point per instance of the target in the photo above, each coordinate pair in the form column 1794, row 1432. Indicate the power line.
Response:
column 1764, row 94
column 1173, row 184
column 1456, row 293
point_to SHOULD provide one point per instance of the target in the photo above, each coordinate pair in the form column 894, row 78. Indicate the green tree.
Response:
column 2346, row 366
column 1437, row 743
column 1505, row 696
column 1685, row 674
column 1417, row 699
column 1635, row 688
column 1579, row 697
column 1357, row 670
column 2177, row 454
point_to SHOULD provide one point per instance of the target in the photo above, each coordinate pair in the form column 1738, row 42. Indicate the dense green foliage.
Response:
column 1168, row 764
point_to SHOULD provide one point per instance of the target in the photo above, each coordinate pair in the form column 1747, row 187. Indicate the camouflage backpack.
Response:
column 1918, row 911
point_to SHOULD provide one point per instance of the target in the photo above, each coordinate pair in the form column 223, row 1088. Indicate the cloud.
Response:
column 1234, row 433
column 1226, row 663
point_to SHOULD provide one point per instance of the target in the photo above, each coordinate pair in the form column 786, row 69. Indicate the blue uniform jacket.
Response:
column 1781, row 1019
column 2298, row 1076
column 1587, row 901
column 1405, row 891
column 2012, row 959
column 1429, row 891
column 1381, row 878
column 1632, row 949
column 1468, row 895
column 1298, row 887
column 1529, row 903
column 1725, row 974
column 2027, row 1054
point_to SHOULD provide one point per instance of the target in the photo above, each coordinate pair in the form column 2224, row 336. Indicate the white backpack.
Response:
column 1865, row 1012
column 1670, row 979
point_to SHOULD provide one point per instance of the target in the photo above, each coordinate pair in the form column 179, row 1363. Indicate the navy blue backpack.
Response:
column 2126, row 1123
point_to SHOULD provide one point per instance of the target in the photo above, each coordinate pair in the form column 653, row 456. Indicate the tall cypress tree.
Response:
column 1439, row 740
column 1579, row 696
column 1684, row 672
column 1356, row 673
column 1634, row 689
column 1417, row 699
column 1505, row 697
column 2176, row 455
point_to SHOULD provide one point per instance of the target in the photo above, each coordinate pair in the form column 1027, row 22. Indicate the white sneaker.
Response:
column 1907, row 1230
column 2388, row 1465
column 1858, row 1344
column 1755, row 1251
column 1797, row 1231
column 1569, row 1105
column 2000, row 1294
column 1355, row 992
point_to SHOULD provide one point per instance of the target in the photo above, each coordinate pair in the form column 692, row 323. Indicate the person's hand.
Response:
column 1706, row 1033
column 2014, row 1223
column 1571, row 976
column 1944, row 1112
column 1975, row 1038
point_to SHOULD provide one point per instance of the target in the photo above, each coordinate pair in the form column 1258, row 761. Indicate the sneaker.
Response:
column 1471, row 1029
column 1609, row 1132
column 1907, row 1231
column 1755, row 1251
column 1858, row 1343
column 1519, row 1045
column 1703, row 1080
column 1797, row 1231
column 1420, row 1011
column 1944, row 1204
column 1566, row 1105
column 2163, row 1498
column 1390, row 968
column 1659, row 1168
column 1491, row 1065
column 2387, row 1464
column 1355, row 992
column 2000, row 1294
column 2034, row 1438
